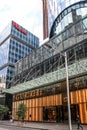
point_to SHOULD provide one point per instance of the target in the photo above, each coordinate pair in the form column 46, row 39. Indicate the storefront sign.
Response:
column 27, row 95
column 36, row 93
column 19, row 28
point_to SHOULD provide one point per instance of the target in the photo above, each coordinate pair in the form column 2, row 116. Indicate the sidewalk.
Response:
column 42, row 126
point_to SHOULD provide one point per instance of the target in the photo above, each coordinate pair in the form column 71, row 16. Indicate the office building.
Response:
column 15, row 43
column 50, row 12
column 40, row 83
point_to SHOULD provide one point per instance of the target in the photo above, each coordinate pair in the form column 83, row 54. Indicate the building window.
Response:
column 85, row 49
column 79, row 52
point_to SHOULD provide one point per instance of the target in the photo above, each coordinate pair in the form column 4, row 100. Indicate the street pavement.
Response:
column 42, row 126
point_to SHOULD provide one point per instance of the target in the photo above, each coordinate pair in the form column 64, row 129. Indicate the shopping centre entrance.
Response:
column 59, row 113
column 49, row 114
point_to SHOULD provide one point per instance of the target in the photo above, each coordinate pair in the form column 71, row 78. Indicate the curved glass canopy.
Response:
column 68, row 17
column 62, row 4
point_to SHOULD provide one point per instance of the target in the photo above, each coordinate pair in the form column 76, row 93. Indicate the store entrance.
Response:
column 74, row 111
column 53, row 114
column 59, row 113
column 49, row 114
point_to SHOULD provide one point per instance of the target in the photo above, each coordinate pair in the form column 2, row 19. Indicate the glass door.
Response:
column 49, row 114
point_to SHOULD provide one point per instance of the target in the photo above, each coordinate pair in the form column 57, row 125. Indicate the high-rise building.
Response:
column 15, row 43
column 45, row 19
column 50, row 12
column 51, row 9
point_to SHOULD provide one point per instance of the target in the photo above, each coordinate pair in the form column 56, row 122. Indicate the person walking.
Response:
column 79, row 122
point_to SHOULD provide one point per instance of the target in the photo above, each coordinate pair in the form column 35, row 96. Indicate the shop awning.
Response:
column 79, row 67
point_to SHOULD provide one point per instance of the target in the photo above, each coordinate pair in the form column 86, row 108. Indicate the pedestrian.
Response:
column 79, row 122
column 12, row 118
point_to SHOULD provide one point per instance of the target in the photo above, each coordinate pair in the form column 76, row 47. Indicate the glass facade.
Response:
column 24, row 35
column 55, row 7
column 52, row 12
column 62, row 4
column 15, row 43
column 68, row 17
column 4, row 52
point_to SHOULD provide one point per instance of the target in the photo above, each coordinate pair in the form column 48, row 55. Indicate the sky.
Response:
column 27, row 13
